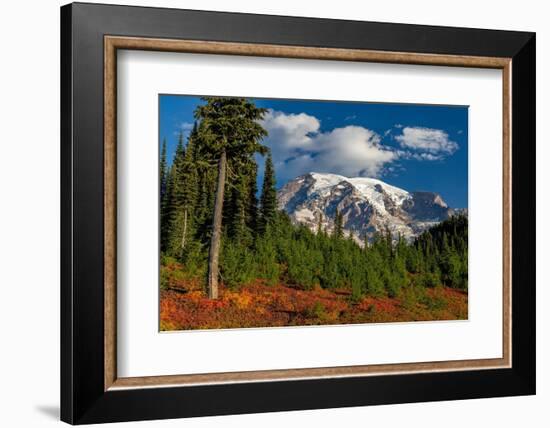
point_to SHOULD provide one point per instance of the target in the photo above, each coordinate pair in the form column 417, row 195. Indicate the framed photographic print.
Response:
column 266, row 213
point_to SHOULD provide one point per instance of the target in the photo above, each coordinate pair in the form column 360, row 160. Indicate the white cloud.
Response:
column 429, row 141
column 298, row 147
column 352, row 151
column 289, row 133
column 420, row 156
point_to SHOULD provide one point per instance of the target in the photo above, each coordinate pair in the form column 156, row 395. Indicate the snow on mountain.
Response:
column 368, row 206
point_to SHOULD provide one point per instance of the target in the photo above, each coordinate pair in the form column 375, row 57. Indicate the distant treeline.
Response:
column 259, row 242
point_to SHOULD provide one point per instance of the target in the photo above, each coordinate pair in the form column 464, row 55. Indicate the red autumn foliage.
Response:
column 185, row 306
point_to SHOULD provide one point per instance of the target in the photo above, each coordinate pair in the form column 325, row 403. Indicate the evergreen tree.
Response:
column 189, row 173
column 206, row 190
column 240, row 214
column 320, row 224
column 268, row 200
column 443, row 253
column 338, row 225
column 168, row 210
column 235, row 210
column 163, row 181
column 179, row 159
column 230, row 130
column 162, row 171
column 252, row 212
column 186, row 192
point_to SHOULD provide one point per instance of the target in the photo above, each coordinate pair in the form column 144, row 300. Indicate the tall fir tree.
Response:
column 338, row 225
column 162, row 171
column 320, row 223
column 163, row 181
column 252, row 211
column 179, row 159
column 268, row 200
column 168, row 210
column 188, row 176
column 234, row 213
column 231, row 132
column 203, row 164
column 183, row 228
column 174, row 199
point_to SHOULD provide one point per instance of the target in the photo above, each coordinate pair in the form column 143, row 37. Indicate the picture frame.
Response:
column 91, row 391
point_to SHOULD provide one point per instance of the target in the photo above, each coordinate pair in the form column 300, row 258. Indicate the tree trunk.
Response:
column 214, row 254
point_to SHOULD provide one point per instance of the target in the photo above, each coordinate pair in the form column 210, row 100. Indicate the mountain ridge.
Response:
column 369, row 206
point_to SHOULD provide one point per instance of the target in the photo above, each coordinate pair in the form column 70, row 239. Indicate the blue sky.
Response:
column 415, row 147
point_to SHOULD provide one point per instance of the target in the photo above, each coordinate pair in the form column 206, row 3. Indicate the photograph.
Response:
column 260, row 212
column 281, row 212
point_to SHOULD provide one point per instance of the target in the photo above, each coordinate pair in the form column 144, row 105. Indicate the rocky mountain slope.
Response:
column 368, row 206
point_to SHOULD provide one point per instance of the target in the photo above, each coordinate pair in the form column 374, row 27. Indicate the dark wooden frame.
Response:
column 89, row 33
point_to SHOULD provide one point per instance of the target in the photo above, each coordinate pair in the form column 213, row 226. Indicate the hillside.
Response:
column 368, row 206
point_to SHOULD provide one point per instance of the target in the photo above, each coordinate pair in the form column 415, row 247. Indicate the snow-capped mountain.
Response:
column 368, row 206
